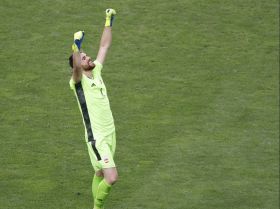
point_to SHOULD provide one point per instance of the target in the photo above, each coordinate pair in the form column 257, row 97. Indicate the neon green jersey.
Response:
column 94, row 104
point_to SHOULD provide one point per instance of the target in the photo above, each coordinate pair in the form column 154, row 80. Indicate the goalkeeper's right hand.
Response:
column 78, row 39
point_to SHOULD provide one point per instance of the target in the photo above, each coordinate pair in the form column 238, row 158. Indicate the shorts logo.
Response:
column 106, row 160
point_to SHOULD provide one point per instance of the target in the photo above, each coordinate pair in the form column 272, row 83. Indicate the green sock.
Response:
column 95, row 183
column 102, row 193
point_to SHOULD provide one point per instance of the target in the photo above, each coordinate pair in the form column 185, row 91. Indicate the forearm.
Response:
column 106, row 38
column 76, row 60
column 77, row 70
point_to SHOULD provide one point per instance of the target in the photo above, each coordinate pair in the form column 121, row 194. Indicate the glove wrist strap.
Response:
column 108, row 22
column 75, row 48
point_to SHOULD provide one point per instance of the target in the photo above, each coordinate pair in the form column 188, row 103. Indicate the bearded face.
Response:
column 86, row 62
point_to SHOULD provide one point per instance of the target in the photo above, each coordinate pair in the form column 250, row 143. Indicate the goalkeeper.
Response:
column 91, row 94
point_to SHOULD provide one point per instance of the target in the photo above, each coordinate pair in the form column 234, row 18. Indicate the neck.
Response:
column 88, row 73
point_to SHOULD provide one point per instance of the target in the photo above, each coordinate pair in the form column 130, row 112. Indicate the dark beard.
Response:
column 89, row 68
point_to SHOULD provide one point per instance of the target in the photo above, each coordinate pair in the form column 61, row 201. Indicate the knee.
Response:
column 112, row 179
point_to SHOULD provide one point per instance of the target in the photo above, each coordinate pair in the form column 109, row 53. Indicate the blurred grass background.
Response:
column 194, row 89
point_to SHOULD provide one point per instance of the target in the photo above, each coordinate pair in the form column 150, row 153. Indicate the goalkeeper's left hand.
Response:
column 78, row 39
column 110, row 15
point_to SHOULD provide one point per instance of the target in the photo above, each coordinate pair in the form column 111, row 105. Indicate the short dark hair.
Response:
column 71, row 60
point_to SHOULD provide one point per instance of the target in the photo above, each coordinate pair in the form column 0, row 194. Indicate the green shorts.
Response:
column 102, row 152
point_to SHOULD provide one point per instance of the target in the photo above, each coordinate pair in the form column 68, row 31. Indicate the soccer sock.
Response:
column 101, row 194
column 95, row 183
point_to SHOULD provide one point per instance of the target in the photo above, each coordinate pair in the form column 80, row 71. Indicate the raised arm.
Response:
column 77, row 69
column 106, row 38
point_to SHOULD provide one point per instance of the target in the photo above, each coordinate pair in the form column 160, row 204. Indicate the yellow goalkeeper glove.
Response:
column 110, row 15
column 78, row 39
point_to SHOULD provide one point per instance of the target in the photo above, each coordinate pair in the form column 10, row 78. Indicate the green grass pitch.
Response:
column 193, row 86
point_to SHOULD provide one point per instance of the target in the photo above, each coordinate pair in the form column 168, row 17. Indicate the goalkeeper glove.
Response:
column 110, row 15
column 78, row 39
